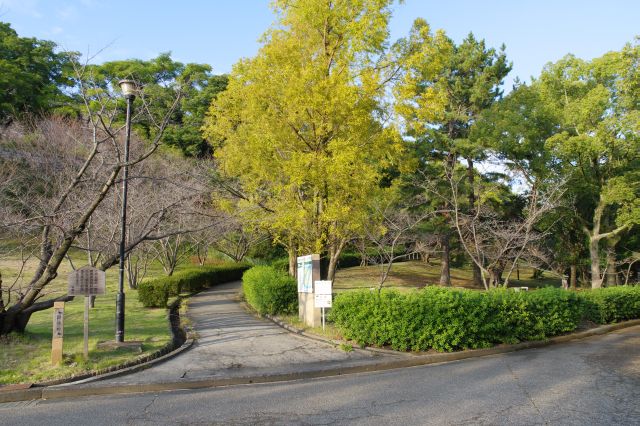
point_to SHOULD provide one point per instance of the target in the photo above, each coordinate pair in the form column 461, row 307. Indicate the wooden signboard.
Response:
column 87, row 281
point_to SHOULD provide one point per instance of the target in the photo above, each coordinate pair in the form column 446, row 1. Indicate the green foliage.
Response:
column 451, row 319
column 31, row 74
column 160, row 77
column 349, row 259
column 612, row 304
column 281, row 264
column 270, row 291
column 156, row 292
column 153, row 293
column 305, row 143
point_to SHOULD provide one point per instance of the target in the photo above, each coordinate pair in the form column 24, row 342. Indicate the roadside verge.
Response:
column 76, row 391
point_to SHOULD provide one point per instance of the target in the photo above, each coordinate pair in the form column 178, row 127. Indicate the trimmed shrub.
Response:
column 612, row 304
column 156, row 292
column 153, row 294
column 450, row 319
column 270, row 291
column 281, row 264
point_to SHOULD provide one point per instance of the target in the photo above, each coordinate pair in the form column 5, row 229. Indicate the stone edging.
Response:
column 333, row 342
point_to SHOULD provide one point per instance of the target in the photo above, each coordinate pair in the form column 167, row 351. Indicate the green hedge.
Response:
column 612, row 304
column 281, row 264
column 156, row 292
column 153, row 294
column 451, row 319
column 270, row 291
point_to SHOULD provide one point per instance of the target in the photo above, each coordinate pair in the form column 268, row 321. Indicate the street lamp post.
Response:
column 128, row 89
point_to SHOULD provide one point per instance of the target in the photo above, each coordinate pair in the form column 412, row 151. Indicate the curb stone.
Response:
column 311, row 336
column 418, row 360
column 128, row 370
column 335, row 342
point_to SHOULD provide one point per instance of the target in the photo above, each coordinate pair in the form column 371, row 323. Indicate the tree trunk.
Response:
column 15, row 319
column 612, row 271
column 293, row 261
column 594, row 254
column 334, row 255
column 573, row 279
column 445, row 271
column 477, row 276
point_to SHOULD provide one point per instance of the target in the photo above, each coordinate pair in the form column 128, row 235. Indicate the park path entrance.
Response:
column 232, row 342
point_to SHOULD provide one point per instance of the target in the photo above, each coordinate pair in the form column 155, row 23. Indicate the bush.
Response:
column 450, row 319
column 281, row 264
column 153, row 294
column 156, row 292
column 606, row 305
column 270, row 291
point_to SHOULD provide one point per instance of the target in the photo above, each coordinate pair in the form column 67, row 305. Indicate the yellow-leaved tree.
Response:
column 302, row 126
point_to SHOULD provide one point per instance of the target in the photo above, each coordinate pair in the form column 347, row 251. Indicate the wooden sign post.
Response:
column 58, row 333
column 87, row 281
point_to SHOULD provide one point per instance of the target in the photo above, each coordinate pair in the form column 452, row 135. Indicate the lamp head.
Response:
column 129, row 88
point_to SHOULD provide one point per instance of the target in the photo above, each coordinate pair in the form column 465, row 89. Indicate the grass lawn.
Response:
column 418, row 274
column 26, row 358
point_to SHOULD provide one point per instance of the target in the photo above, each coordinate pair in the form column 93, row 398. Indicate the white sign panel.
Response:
column 322, row 300
column 86, row 281
column 323, row 287
column 322, row 296
column 305, row 274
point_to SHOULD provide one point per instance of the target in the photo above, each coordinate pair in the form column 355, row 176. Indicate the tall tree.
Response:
column 32, row 74
column 160, row 75
column 302, row 123
column 445, row 87
column 597, row 106
column 59, row 205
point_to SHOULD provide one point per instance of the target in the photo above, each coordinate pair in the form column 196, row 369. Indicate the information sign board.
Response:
column 322, row 300
column 86, row 281
column 322, row 294
column 305, row 274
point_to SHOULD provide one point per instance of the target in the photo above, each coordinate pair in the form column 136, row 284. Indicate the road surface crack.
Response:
column 525, row 392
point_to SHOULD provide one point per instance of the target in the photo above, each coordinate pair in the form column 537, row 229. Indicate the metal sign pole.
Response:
column 87, row 301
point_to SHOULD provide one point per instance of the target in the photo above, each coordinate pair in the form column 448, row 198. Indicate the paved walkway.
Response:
column 232, row 342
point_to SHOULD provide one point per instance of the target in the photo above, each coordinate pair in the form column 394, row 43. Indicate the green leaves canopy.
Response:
column 31, row 74
column 300, row 122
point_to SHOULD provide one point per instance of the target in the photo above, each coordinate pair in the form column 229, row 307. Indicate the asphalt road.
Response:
column 594, row 381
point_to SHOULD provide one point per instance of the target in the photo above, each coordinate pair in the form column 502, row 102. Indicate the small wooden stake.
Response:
column 58, row 333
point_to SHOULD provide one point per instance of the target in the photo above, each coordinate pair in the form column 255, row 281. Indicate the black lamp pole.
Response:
column 128, row 88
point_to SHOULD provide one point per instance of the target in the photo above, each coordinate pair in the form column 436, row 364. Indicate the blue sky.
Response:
column 220, row 32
